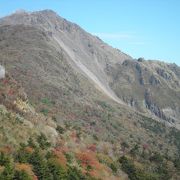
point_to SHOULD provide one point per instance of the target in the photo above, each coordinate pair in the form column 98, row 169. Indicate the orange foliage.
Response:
column 29, row 149
column 91, row 165
column 1, row 169
column 88, row 158
column 64, row 149
column 6, row 149
column 94, row 173
column 25, row 167
column 60, row 157
column 74, row 135
column 35, row 177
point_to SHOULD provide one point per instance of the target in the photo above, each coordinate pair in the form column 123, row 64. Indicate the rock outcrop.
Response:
column 2, row 72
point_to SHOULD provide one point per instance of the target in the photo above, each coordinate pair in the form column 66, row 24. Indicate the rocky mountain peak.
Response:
column 47, row 12
column 21, row 11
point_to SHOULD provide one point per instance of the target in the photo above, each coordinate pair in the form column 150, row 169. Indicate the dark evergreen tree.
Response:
column 8, row 173
column 39, row 165
column 43, row 143
column 57, row 171
column 74, row 174
column 22, row 175
column 4, row 159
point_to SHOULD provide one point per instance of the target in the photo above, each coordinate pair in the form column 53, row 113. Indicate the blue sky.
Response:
column 141, row 28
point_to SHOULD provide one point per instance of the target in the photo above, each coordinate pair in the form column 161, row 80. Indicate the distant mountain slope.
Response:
column 142, row 84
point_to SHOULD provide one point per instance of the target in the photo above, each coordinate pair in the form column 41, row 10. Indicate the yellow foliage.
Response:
column 1, row 169
column 24, row 167
column 138, row 165
column 22, row 105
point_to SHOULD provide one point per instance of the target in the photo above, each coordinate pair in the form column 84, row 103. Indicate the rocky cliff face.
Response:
column 148, row 86
column 2, row 72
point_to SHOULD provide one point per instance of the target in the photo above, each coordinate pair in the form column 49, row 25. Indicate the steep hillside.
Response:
column 19, row 120
column 33, row 146
column 36, row 147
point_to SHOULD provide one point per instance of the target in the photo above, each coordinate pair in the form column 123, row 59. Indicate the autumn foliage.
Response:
column 89, row 163
column 29, row 149
column 26, row 168
column 59, row 157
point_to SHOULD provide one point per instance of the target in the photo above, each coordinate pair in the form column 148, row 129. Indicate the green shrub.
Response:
column 40, row 167
column 42, row 141
column 60, row 129
column 44, row 111
column 135, row 173
column 156, row 158
column 75, row 174
column 47, row 101
column 177, row 163
column 22, row 175
column 4, row 160
column 114, row 167
column 57, row 171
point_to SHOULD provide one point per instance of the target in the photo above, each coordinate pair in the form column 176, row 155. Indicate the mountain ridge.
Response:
column 69, row 51
column 93, row 58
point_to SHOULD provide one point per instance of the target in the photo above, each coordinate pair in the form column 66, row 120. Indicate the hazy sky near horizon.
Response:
column 140, row 28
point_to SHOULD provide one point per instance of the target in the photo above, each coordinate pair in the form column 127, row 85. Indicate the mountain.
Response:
column 140, row 84
column 71, row 78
